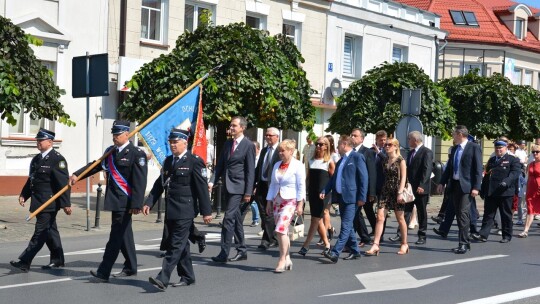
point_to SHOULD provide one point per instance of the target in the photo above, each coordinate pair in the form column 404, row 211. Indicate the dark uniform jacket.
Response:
column 132, row 166
column 238, row 168
column 187, row 185
column 371, row 164
column 507, row 169
column 47, row 176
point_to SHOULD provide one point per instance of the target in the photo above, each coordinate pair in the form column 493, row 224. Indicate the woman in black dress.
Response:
column 395, row 173
column 321, row 167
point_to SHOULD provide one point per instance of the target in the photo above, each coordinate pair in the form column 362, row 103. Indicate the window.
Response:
column 464, row 18
column 196, row 15
column 520, row 32
column 348, row 56
column 256, row 22
column 516, row 76
column 527, row 79
column 469, row 67
column 399, row 54
column 151, row 19
column 292, row 31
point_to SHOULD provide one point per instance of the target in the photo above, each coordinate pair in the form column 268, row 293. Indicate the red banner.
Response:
column 200, row 143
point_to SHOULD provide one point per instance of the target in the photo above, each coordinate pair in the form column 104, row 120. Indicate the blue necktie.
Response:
column 457, row 159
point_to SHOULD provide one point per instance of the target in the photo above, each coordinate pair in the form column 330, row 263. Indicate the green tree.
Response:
column 373, row 102
column 25, row 84
column 493, row 106
column 261, row 79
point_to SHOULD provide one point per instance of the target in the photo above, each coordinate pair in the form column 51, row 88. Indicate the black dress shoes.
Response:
column 157, row 283
column 440, row 233
column 395, row 239
column 273, row 244
column 219, row 259
column 331, row 257
column 462, row 248
column 182, row 284
column 239, row 257
column 51, row 266
column 478, row 237
column 504, row 241
column 421, row 241
column 202, row 244
column 437, row 219
column 263, row 246
column 100, row 278
column 124, row 273
column 353, row 256
column 20, row 265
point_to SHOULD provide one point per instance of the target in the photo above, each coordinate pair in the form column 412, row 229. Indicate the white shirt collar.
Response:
column 463, row 144
column 43, row 154
column 239, row 139
column 418, row 147
column 122, row 146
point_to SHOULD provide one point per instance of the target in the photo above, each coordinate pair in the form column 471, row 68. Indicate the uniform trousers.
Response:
column 360, row 224
column 232, row 226
column 420, row 201
column 120, row 239
column 491, row 205
column 45, row 232
column 178, row 254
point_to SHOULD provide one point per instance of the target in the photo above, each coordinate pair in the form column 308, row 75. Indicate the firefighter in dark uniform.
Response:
column 184, row 178
column 126, row 171
column 498, row 189
column 48, row 175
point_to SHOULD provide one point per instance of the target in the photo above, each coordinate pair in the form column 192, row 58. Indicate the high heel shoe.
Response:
column 373, row 252
column 279, row 270
column 401, row 251
column 326, row 251
column 288, row 265
column 331, row 233
column 303, row 251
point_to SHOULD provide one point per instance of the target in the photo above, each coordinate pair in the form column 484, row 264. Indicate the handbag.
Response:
column 408, row 195
column 297, row 229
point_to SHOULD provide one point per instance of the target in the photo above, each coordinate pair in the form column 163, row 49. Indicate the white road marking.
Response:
column 507, row 297
column 396, row 279
column 66, row 279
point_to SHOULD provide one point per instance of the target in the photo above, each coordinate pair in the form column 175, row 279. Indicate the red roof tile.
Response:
column 491, row 29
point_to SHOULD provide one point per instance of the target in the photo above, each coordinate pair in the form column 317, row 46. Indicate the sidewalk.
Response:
column 14, row 227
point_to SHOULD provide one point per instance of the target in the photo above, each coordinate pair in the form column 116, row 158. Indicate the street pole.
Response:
column 87, row 138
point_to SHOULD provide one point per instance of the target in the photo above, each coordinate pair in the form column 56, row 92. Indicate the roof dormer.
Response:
column 534, row 25
column 516, row 19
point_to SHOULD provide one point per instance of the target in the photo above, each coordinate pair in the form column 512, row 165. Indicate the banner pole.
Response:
column 137, row 129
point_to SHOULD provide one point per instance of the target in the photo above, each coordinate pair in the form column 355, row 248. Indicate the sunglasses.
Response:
column 535, row 152
column 320, row 144
column 270, row 135
column 388, row 145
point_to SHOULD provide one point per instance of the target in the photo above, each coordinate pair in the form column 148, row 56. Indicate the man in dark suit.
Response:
column 48, row 175
column 357, row 135
column 498, row 189
column 236, row 165
column 269, row 156
column 380, row 155
column 184, row 175
column 127, row 170
column 350, row 184
column 463, row 174
column 419, row 168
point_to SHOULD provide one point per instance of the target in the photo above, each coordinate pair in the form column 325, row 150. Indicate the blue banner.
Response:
column 182, row 114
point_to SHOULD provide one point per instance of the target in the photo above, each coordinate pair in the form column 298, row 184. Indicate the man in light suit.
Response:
column 463, row 174
column 350, row 185
column 269, row 157
column 236, row 165
column 419, row 168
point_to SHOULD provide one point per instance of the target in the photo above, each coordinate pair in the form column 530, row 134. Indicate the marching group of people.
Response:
column 377, row 180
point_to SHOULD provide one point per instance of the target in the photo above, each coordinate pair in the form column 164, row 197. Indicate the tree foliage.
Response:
column 493, row 106
column 261, row 78
column 25, row 84
column 373, row 102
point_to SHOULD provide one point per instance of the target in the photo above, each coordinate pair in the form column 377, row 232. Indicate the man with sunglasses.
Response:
column 498, row 189
column 263, row 171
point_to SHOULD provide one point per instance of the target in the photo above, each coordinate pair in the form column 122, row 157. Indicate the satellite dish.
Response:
column 335, row 88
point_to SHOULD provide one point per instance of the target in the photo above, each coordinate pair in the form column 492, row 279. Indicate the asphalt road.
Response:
column 490, row 273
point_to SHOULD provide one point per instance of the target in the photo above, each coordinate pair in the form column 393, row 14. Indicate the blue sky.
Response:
column 533, row 3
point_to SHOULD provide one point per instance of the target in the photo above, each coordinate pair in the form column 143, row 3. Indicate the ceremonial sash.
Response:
column 118, row 179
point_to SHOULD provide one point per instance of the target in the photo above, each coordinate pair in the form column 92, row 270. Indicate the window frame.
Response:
column 467, row 18
column 297, row 32
column 162, row 23
column 352, row 73
column 196, row 7
column 262, row 20
column 522, row 30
